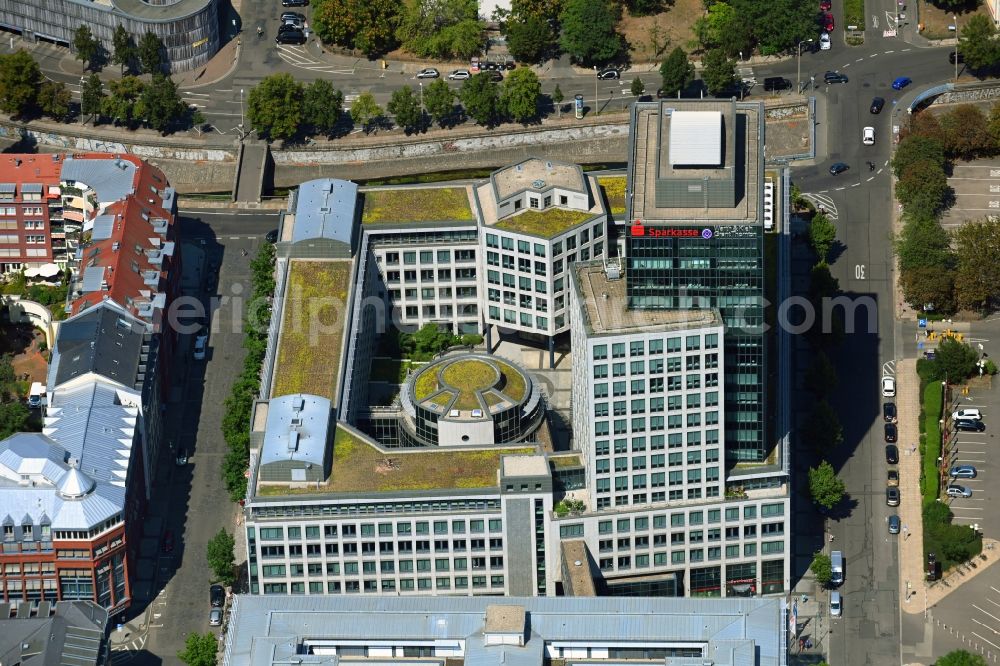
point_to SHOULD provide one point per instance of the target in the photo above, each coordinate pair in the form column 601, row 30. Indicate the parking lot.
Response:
column 977, row 192
column 976, row 449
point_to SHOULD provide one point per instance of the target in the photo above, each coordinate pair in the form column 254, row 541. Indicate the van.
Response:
column 837, row 568
column 36, row 396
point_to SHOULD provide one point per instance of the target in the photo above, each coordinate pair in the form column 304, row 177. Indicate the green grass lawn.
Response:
column 614, row 190
column 546, row 223
column 360, row 467
column 417, row 204
column 312, row 328
column 514, row 386
column 469, row 376
column 854, row 13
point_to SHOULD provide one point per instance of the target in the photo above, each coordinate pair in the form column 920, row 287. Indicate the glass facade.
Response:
column 722, row 267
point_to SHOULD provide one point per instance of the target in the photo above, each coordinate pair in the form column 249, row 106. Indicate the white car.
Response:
column 968, row 414
column 868, row 136
column 836, row 605
column 460, row 75
column 428, row 73
column 200, row 345
column 824, row 42
column 888, row 387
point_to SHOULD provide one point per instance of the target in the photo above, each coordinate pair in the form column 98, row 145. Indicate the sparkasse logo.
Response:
column 638, row 229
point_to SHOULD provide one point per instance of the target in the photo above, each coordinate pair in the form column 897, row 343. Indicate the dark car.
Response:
column 290, row 37
column 167, row 545
column 510, row 64
column 890, row 432
column 891, row 454
column 877, row 104
column 271, row 236
column 894, row 524
column 288, row 27
column 776, row 83
column 889, row 412
column 970, row 425
column 217, row 595
column 901, row 82
column 835, row 77
column 294, row 3
column 838, row 168
column 952, row 56
column 609, row 74
column 495, row 75
column 489, row 66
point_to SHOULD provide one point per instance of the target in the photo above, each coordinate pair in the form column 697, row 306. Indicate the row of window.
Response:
column 373, row 586
column 525, row 319
column 385, row 548
column 523, row 247
column 656, row 346
column 384, row 529
column 670, row 403
column 714, row 534
column 627, row 562
column 656, row 384
column 427, row 257
column 31, row 239
column 428, row 293
column 430, row 275
column 443, row 311
column 440, row 565
column 655, row 423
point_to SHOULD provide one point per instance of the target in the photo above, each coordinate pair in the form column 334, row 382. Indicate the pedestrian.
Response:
column 831, row 538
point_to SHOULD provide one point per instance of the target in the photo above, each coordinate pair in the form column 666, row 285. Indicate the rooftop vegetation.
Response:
column 614, row 190
column 312, row 328
column 416, row 205
column 469, row 376
column 514, row 383
column 544, row 223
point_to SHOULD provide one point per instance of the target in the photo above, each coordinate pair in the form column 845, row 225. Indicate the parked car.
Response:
column 901, row 82
column 868, row 136
column 460, row 75
column 775, row 83
column 428, row 73
column 827, row 22
column 877, row 104
column 970, row 425
column 607, row 74
column 200, row 345
column 510, row 64
column 835, row 77
column 888, row 387
column 971, row 413
column 825, row 5
column 217, row 596
column 889, row 412
column 495, row 75
column 892, row 478
column 890, row 432
column 892, row 496
column 167, row 544
column 289, row 26
column 296, row 23
column 294, row 3
column 290, row 37
column 182, row 457
column 824, row 42
column 955, row 490
column 836, row 604
column 292, row 15
column 215, row 617
column 271, row 236
column 963, row 472
column 894, row 524
column 838, row 168
column 891, row 454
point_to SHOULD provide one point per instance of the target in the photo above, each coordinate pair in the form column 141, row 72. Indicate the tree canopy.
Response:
column 955, row 360
column 977, row 276
column 322, row 106
column 124, row 49
column 481, row 98
column 825, row 487
column 366, row 112
column 367, row 25
column 822, row 234
column 442, row 28
column 960, row 658
column 977, row 43
column 160, row 104
column 274, row 106
column 520, row 94
column 87, row 48
column 966, row 132
column 822, row 568
column 150, row 53
column 676, row 72
column 530, row 39
column 91, row 96
column 589, row 31
column 122, row 100
column 439, row 100
column 199, row 649
column 405, row 108
column 822, row 431
column 20, row 78
column 221, row 556
column 54, row 99
column 719, row 71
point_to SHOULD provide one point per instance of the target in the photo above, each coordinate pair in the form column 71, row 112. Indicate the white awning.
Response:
column 696, row 138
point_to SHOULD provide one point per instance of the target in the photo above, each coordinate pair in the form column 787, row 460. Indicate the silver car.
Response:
column 215, row 617
column 460, row 75
column 955, row 490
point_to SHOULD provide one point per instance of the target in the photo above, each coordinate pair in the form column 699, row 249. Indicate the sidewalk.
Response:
column 911, row 540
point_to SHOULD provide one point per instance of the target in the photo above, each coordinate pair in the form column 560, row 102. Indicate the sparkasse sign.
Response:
column 638, row 229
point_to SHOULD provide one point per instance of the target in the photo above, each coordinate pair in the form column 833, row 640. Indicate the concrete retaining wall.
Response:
column 23, row 311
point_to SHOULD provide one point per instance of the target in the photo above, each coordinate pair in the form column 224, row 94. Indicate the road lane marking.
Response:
column 986, row 613
column 985, row 641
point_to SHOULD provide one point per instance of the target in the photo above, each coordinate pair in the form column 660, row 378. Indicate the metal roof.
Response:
column 71, row 636
column 93, row 278
column 35, row 188
column 104, row 225
column 263, row 629
column 696, row 138
column 8, row 188
column 298, row 428
column 111, row 179
column 325, row 209
column 104, row 339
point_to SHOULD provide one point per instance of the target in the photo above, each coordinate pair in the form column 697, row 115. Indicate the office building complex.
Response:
column 189, row 29
column 518, row 631
column 65, row 632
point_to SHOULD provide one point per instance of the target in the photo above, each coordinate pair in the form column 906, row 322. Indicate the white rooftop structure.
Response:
column 695, row 138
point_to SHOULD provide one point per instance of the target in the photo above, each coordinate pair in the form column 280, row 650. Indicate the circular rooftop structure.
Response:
column 471, row 399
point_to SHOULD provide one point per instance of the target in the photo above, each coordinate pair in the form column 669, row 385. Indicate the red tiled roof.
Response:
column 31, row 169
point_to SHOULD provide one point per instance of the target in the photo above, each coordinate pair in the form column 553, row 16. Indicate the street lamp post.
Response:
column 421, row 84
column 955, row 19
column 798, row 66
column 597, row 106
column 241, row 107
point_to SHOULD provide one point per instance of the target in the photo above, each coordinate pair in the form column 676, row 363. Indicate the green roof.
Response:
column 469, row 376
column 544, row 223
column 312, row 327
column 514, row 383
column 614, row 190
column 464, row 379
column 417, row 205
column 360, row 467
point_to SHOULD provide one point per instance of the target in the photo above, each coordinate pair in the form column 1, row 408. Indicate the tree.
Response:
column 637, row 87
column 966, row 133
column 723, row 28
column 718, row 71
column 160, row 105
column 124, row 50
column 431, row 339
column 923, row 186
column 977, row 43
column 588, row 31
column 530, row 39
column 929, row 285
column 977, row 276
column 822, row 284
column 777, row 25
column 439, row 100
column 120, row 104
column 221, row 556
column 822, row 376
column 822, row 430
column 822, row 234
column 923, row 242
column 322, row 106
column 92, row 96
column 366, row 112
column 87, row 46
column 367, row 25
column 925, row 125
column 676, row 72
column 993, row 125
column 960, row 658
column 955, row 360
column 914, row 149
column 481, row 98
column 825, row 488
column 548, row 10
column 274, row 107
column 8, row 380
column 54, row 99
column 150, row 53
column 442, row 28
column 643, row 7
column 13, row 418
column 557, row 100
column 520, row 94
column 199, row 649
column 822, row 568
column 20, row 79
column 405, row 107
